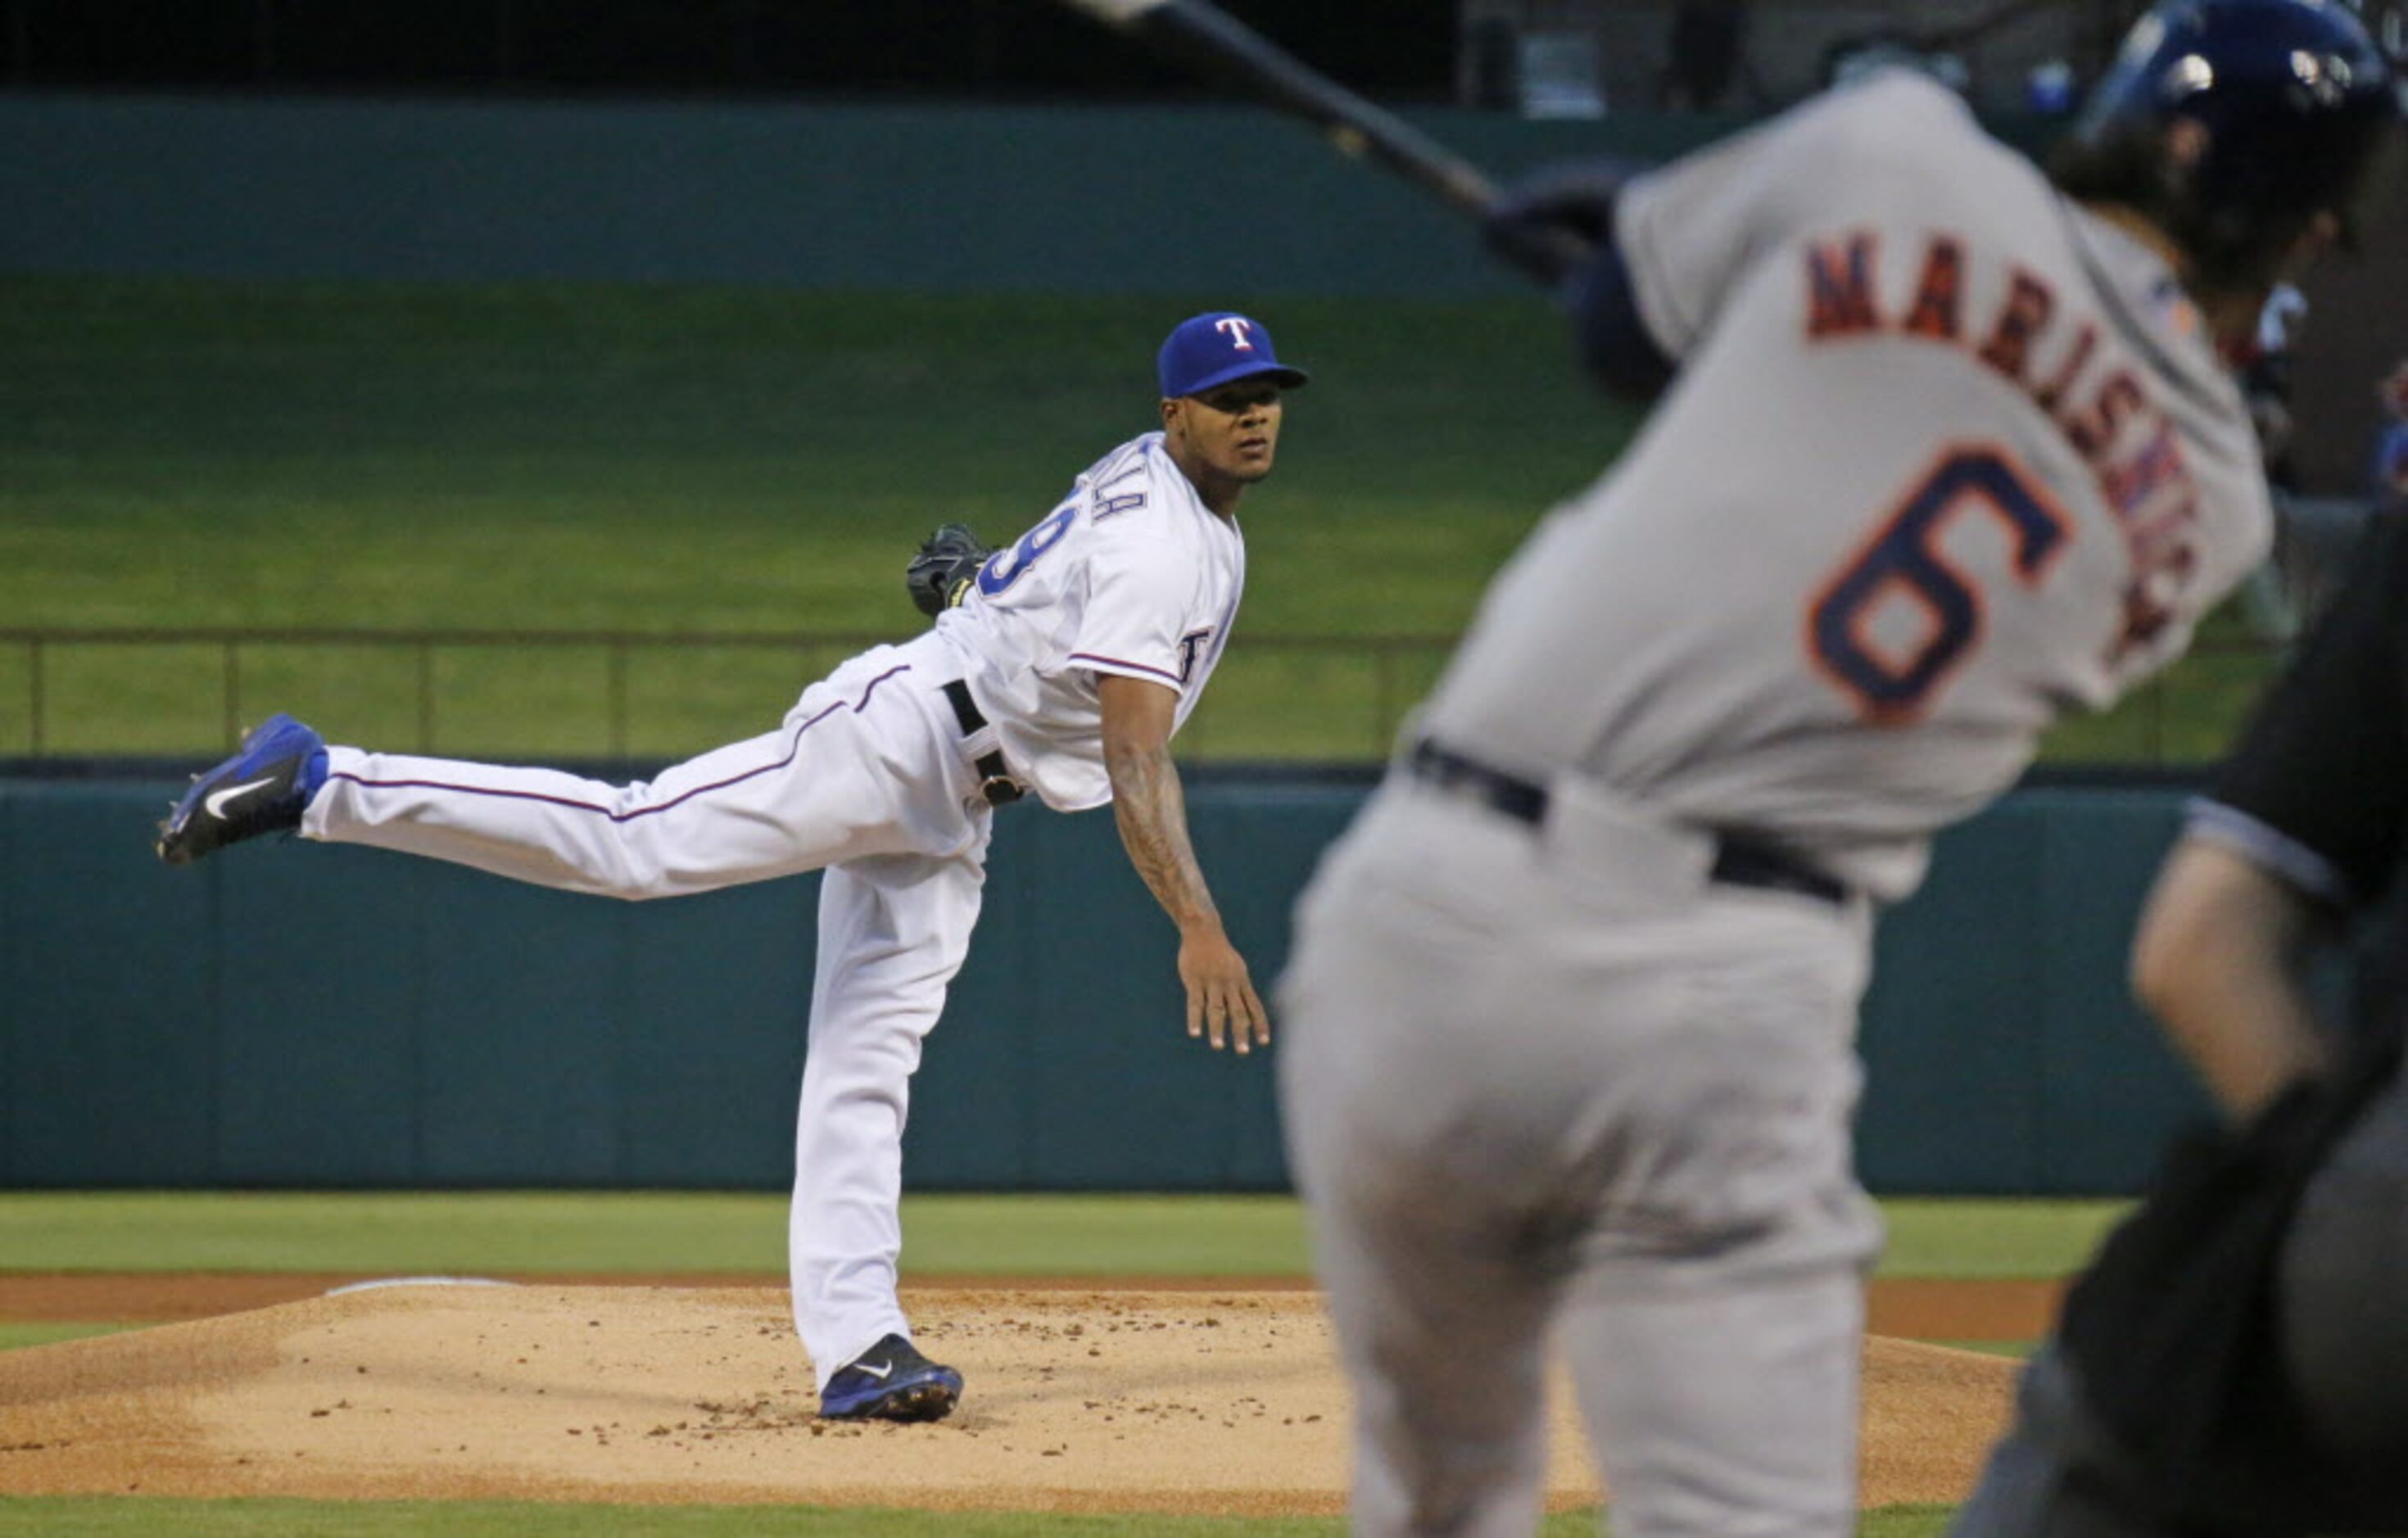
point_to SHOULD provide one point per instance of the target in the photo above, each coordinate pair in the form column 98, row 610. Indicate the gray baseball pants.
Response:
column 1547, row 1086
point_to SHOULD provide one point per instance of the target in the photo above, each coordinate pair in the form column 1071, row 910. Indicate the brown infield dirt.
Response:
column 1217, row 1397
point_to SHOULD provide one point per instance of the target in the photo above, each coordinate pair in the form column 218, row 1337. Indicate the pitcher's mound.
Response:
column 1184, row 1402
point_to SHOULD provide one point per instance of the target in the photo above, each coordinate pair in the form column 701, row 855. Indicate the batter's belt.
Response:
column 1736, row 861
column 997, row 785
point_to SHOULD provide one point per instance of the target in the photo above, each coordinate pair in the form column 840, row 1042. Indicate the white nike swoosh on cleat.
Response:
column 879, row 1371
column 216, row 801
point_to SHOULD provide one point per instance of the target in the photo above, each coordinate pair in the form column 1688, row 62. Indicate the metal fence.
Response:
column 597, row 694
column 628, row 696
column 42, row 649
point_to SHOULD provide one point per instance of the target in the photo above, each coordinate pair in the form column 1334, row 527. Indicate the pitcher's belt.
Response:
column 1737, row 861
column 994, row 778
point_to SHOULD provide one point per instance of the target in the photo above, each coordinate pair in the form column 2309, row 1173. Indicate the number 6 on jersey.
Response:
column 1892, row 685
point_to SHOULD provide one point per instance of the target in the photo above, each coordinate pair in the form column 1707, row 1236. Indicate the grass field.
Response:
column 490, row 1232
column 658, row 460
column 678, row 461
column 669, row 1232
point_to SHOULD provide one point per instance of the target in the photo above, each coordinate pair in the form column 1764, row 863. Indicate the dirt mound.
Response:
column 1078, row 1401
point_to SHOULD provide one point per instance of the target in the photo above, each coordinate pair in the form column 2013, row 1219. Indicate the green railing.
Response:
column 616, row 695
column 658, row 697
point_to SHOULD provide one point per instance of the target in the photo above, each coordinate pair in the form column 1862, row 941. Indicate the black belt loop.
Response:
column 1737, row 861
column 965, row 710
column 996, row 783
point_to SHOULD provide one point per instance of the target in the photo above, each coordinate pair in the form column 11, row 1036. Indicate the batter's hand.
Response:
column 1222, row 1003
column 1553, row 222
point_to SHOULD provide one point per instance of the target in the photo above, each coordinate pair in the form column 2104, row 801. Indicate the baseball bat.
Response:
column 1217, row 45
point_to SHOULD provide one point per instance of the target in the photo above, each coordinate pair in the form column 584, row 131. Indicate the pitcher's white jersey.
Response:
column 1131, row 574
column 2055, row 480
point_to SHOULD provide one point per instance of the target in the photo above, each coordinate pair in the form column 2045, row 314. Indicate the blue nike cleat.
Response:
column 891, row 1381
column 261, row 789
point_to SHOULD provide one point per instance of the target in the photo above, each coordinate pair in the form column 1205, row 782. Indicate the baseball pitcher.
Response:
column 1059, row 665
column 1943, row 449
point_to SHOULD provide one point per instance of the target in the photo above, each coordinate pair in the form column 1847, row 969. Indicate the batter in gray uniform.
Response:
column 1570, row 1020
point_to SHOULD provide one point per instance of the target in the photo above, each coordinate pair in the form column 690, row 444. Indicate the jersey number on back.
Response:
column 1004, row 567
column 1892, row 677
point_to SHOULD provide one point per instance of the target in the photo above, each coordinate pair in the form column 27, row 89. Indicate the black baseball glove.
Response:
column 942, row 571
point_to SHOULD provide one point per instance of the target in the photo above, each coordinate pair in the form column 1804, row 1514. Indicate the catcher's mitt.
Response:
column 942, row 571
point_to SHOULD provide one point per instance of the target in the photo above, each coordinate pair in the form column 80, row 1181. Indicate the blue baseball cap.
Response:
column 1207, row 351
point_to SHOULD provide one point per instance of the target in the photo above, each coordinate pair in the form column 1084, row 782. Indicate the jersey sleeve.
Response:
column 1690, row 233
column 1616, row 348
column 2323, row 766
column 1139, row 591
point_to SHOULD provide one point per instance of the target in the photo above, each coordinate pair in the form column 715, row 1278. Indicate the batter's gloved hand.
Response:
column 1552, row 224
column 942, row 571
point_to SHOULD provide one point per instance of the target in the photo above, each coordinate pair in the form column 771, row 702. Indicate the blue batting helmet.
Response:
column 2295, row 103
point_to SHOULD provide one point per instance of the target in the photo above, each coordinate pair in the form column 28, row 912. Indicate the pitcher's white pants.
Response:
column 1549, row 1087
column 866, row 779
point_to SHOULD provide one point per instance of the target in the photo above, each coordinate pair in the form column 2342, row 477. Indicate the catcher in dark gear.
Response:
column 2231, row 1362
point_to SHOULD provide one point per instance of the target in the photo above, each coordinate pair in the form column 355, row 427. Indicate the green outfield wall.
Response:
column 924, row 196
column 1226, row 204
column 293, row 1015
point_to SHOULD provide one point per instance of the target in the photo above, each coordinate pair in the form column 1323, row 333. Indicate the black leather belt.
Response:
column 996, row 783
column 1738, row 862
column 1495, row 789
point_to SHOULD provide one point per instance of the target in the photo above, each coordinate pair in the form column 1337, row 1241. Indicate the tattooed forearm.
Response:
column 1152, row 812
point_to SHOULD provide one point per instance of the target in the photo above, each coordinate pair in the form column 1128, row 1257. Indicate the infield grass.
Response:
column 653, row 1232
column 14, row 1334
column 660, row 459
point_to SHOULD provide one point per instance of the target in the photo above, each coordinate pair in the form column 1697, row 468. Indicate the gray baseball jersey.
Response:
column 1946, row 457
column 1570, row 1017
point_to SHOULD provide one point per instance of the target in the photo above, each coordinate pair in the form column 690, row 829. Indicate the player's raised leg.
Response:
column 892, row 933
column 861, row 766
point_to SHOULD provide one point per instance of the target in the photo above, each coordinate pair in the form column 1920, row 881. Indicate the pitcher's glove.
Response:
column 942, row 571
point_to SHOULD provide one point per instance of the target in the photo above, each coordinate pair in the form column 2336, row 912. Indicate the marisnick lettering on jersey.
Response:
column 2050, row 353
